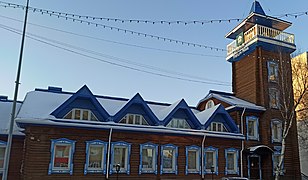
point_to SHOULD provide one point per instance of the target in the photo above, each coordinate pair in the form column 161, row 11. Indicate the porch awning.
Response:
column 260, row 149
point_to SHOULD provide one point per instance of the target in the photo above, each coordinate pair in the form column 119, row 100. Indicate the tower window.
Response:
column 273, row 98
column 272, row 71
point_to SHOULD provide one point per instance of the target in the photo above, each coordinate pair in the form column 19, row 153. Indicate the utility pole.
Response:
column 10, row 134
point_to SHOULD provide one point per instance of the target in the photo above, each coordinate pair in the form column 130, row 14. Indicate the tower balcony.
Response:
column 258, row 33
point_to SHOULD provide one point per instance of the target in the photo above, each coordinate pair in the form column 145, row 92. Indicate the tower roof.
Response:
column 258, row 16
column 256, row 8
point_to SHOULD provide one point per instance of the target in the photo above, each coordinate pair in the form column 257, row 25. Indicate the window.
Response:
column 62, row 151
column 276, row 130
column 95, row 157
column 178, row 123
column 81, row 114
column 273, row 98
column 192, row 159
column 2, row 154
column 275, row 158
column 272, row 71
column 134, row 119
column 231, row 156
column 211, row 158
column 120, row 156
column 148, row 158
column 217, row 126
column 252, row 126
column 209, row 104
column 169, row 155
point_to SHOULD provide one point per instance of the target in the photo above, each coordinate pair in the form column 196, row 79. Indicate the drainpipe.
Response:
column 202, row 157
column 242, row 130
column 108, row 153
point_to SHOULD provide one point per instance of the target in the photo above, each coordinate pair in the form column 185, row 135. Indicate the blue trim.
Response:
column 137, row 106
column 123, row 144
column 64, row 141
column 103, row 168
column 155, row 150
column 236, row 151
column 228, row 122
column 215, row 150
column 256, row 119
column 3, row 143
column 174, row 158
column 191, row 119
column 276, row 121
column 198, row 165
column 82, row 99
column 257, row 8
column 277, row 92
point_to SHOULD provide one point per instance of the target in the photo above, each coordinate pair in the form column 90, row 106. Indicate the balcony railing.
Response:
column 261, row 31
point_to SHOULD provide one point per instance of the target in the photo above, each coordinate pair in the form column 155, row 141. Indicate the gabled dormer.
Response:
column 180, row 115
column 82, row 105
column 136, row 111
column 217, row 119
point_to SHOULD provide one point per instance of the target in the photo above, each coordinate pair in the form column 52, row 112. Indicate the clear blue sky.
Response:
column 44, row 65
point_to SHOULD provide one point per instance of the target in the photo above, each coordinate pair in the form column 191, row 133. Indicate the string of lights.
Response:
column 115, row 42
column 87, row 17
column 78, row 51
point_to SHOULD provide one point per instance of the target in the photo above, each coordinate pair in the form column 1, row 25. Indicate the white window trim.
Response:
column 59, row 170
column 211, row 127
column 215, row 163
column 256, row 128
column 186, row 124
column 196, row 149
column 126, row 118
column 174, row 169
column 126, row 168
column 276, row 122
column 87, row 169
column 236, row 157
column 3, row 145
column 154, row 147
column 209, row 104
column 81, row 114
column 277, row 96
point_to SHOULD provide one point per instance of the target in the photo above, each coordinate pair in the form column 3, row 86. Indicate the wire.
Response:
column 115, row 42
column 38, row 38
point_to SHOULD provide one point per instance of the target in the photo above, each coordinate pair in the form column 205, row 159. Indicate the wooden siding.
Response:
column 37, row 152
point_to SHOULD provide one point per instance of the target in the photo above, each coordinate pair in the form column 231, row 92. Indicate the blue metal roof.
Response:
column 257, row 8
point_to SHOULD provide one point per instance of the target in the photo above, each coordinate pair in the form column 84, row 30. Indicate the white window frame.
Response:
column 154, row 148
column 175, row 123
column 215, row 125
column 197, row 150
column 126, row 168
column 3, row 145
column 174, row 169
column 90, row 114
column 125, row 119
column 215, row 159
column 274, row 93
column 97, row 143
column 273, row 64
column 235, row 161
column 255, row 121
column 63, row 142
column 209, row 104
column 278, row 123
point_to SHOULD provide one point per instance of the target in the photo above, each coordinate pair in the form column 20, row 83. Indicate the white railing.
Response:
column 262, row 31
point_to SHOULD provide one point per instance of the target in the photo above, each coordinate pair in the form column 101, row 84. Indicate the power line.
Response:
column 115, row 42
column 67, row 47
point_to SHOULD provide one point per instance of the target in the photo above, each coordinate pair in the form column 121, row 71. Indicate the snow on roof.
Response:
column 5, row 117
column 232, row 100
column 163, row 111
column 112, row 106
column 205, row 115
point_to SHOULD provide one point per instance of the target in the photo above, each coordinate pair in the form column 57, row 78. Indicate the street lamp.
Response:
column 212, row 170
column 118, row 170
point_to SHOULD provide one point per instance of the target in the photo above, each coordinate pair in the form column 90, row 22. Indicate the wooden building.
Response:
column 78, row 135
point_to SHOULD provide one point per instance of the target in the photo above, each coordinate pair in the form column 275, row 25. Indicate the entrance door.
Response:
column 254, row 167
